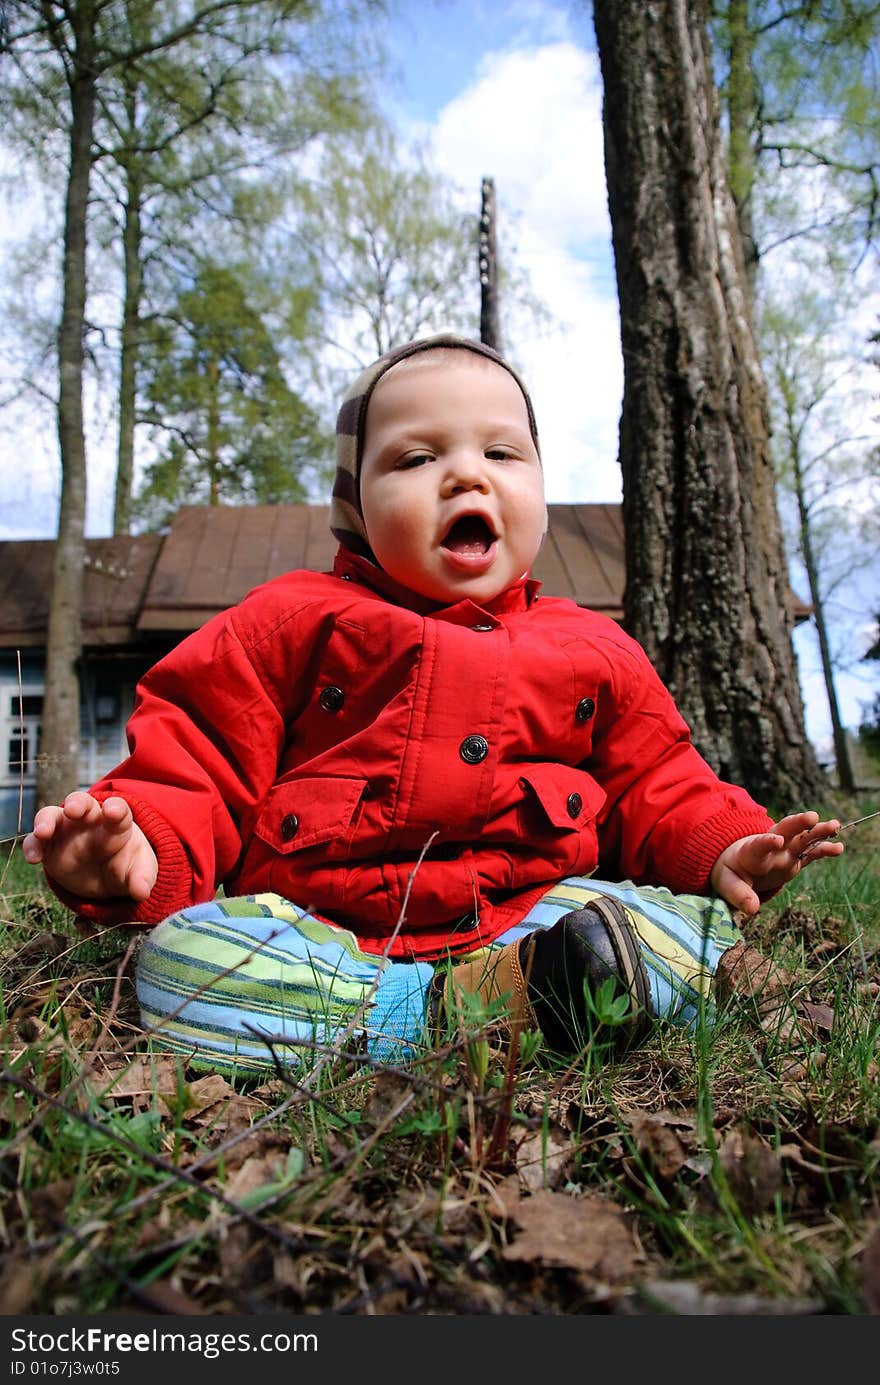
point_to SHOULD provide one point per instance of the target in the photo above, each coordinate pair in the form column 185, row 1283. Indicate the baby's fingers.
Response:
column 817, row 850
column 737, row 892
column 796, row 824
column 80, row 807
column 45, row 826
column 761, row 853
column 116, row 816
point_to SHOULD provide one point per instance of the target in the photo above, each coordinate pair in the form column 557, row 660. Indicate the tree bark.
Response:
column 742, row 103
column 707, row 591
column 131, row 309
column 58, row 761
column 490, row 321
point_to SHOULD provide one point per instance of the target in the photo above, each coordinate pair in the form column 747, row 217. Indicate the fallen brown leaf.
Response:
column 584, row 1233
column 542, row 1158
column 504, row 1197
column 208, row 1090
column 870, row 1273
column 658, row 1141
column 388, row 1093
column 752, row 1168
column 259, row 1172
column 17, row 1288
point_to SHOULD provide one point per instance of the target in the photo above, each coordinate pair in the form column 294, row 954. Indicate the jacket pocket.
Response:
column 567, row 798
column 309, row 812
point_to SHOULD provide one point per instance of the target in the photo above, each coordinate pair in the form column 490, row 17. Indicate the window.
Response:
column 21, row 711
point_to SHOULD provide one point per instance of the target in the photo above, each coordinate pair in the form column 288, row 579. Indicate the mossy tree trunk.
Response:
column 707, row 589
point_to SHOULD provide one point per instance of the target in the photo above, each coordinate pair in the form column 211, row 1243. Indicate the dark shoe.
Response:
column 585, row 948
column 540, row 980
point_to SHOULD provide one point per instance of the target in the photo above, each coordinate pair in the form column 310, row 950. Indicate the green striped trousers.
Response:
column 218, row 983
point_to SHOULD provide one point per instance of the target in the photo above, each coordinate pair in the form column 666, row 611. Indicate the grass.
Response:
column 732, row 1171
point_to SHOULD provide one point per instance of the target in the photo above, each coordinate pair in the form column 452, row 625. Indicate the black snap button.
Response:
column 474, row 749
column 481, row 627
column 331, row 699
column 466, row 924
column 585, row 709
column 573, row 804
column 289, row 826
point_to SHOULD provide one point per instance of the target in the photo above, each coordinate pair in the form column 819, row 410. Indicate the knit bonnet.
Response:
column 346, row 515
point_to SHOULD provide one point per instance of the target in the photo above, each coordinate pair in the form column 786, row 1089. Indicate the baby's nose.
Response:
column 467, row 471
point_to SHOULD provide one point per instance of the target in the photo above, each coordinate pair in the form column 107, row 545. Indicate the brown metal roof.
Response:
column 214, row 555
column 117, row 571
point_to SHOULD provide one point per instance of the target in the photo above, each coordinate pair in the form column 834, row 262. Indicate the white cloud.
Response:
column 532, row 121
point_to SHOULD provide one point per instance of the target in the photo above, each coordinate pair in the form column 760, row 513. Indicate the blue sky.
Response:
column 508, row 89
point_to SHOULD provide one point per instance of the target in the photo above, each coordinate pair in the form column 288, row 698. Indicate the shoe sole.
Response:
column 631, row 968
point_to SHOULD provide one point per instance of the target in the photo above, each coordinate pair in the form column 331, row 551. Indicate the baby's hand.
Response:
column 755, row 865
column 92, row 849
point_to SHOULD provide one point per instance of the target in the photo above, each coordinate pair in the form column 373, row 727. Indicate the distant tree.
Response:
column 798, row 82
column 390, row 252
column 831, row 474
column 801, row 106
column 188, row 148
column 227, row 425
column 869, row 729
column 707, row 589
column 61, row 59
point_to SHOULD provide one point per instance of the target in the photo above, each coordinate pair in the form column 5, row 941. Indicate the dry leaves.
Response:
column 753, row 1170
column 870, row 1273
column 586, row 1233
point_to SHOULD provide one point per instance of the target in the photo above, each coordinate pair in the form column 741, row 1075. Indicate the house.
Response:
column 144, row 593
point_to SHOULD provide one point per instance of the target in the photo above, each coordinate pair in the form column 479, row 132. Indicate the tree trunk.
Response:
column 490, row 323
column 58, row 761
column 131, row 309
column 707, row 590
column 845, row 777
column 742, row 105
column 213, row 441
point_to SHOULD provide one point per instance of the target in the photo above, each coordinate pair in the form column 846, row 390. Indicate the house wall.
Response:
column 106, row 700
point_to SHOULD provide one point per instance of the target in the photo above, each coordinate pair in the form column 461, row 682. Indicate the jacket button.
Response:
column 289, row 826
column 468, row 923
column 331, row 699
column 473, row 749
column 573, row 804
column 481, row 627
column 585, row 709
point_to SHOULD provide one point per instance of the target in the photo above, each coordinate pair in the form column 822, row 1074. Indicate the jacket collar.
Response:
column 352, row 567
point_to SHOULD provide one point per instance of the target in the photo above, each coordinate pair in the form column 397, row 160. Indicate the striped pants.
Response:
column 217, row 981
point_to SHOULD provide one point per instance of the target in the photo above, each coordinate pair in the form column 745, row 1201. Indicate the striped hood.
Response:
column 346, row 516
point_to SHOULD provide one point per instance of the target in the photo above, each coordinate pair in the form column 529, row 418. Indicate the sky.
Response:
column 507, row 89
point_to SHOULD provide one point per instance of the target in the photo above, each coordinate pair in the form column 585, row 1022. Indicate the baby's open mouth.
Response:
column 469, row 535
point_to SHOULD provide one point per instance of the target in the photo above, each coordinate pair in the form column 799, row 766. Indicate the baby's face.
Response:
column 452, row 490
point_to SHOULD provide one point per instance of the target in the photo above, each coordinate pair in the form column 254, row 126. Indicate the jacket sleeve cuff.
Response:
column 173, row 888
column 692, row 870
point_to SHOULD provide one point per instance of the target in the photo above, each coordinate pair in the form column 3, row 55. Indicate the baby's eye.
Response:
column 415, row 459
column 498, row 454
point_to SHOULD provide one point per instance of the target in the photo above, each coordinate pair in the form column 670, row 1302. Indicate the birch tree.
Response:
column 74, row 52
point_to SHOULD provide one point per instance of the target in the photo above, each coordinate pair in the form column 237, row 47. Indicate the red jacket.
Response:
column 354, row 749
